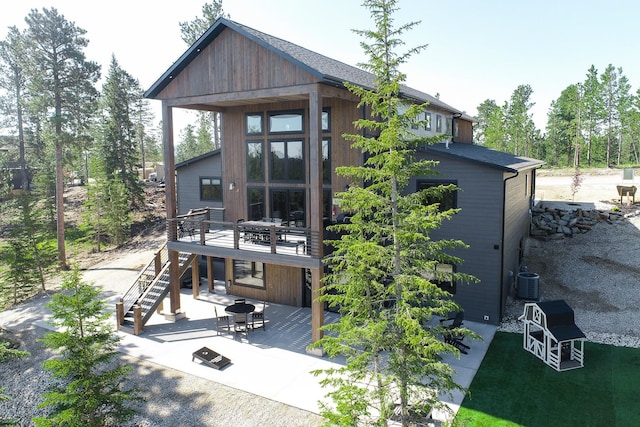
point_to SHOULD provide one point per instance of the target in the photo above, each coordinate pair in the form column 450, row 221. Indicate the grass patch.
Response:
column 514, row 388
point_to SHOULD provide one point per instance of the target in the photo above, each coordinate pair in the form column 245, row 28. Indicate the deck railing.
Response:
column 274, row 238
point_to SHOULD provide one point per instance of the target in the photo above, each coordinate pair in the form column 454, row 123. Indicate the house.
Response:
column 284, row 110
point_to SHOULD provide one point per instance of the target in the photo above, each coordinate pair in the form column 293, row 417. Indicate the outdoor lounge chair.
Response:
column 450, row 334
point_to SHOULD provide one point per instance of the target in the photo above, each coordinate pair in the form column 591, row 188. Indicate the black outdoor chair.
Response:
column 258, row 316
column 450, row 333
column 240, row 324
column 220, row 322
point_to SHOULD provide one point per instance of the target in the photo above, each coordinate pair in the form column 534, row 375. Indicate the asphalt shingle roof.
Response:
column 486, row 156
column 326, row 69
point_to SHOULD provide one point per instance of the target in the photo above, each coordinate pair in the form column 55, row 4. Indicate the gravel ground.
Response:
column 172, row 398
column 597, row 273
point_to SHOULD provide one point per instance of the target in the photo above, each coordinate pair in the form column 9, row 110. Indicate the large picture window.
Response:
column 255, row 163
column 248, row 273
column 211, row 189
column 286, row 160
column 286, row 122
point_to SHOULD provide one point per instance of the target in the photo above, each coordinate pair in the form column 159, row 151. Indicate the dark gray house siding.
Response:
column 493, row 222
column 188, row 175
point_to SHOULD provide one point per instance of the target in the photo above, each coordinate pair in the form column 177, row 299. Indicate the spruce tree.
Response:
column 89, row 391
column 385, row 266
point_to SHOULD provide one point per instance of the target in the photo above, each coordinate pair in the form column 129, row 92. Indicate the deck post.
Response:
column 137, row 320
column 315, row 211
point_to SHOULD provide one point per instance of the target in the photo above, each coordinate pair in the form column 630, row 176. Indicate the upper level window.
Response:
column 326, row 121
column 286, row 122
column 326, row 161
column 427, row 121
column 211, row 189
column 286, row 161
column 255, row 164
column 253, row 124
column 438, row 123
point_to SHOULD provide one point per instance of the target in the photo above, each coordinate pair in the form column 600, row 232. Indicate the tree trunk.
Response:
column 62, row 255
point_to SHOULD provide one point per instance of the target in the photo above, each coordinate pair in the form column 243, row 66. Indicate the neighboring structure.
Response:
column 550, row 334
column 284, row 111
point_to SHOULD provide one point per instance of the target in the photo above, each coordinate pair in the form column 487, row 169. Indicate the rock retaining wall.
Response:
column 554, row 223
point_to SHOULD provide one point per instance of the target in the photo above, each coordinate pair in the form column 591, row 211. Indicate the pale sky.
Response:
column 477, row 50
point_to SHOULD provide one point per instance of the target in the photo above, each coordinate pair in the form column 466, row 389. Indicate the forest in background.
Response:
column 592, row 123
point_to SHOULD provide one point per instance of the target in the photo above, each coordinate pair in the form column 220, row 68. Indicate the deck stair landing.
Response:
column 148, row 291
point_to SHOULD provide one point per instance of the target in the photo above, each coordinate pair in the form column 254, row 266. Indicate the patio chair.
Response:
column 220, row 320
column 258, row 316
column 450, row 334
column 240, row 324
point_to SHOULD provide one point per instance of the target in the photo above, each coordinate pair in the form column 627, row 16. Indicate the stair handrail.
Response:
column 138, row 288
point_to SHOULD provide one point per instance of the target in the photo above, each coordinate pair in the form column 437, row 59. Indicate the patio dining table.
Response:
column 240, row 308
column 260, row 230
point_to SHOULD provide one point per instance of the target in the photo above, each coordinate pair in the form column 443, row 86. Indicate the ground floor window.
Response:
column 249, row 273
column 443, row 277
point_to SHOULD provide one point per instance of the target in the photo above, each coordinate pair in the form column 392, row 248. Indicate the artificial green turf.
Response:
column 514, row 388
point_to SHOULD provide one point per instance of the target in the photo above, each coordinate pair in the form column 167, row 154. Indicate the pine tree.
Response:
column 385, row 266
column 89, row 392
column 28, row 254
column 61, row 86
column 118, row 139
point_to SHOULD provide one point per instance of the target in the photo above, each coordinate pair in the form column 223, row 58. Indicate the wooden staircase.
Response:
column 148, row 291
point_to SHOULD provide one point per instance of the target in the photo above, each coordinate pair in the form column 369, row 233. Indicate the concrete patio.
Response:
column 272, row 363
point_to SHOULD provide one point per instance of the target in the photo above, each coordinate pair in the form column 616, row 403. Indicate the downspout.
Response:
column 504, row 207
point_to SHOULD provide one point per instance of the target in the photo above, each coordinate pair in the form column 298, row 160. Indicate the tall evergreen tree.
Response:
column 118, row 139
column 89, row 392
column 609, row 81
column 61, row 83
column 518, row 120
column 13, row 83
column 593, row 115
column 384, row 265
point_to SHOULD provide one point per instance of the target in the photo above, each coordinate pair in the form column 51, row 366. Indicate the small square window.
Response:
column 211, row 189
column 254, row 124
